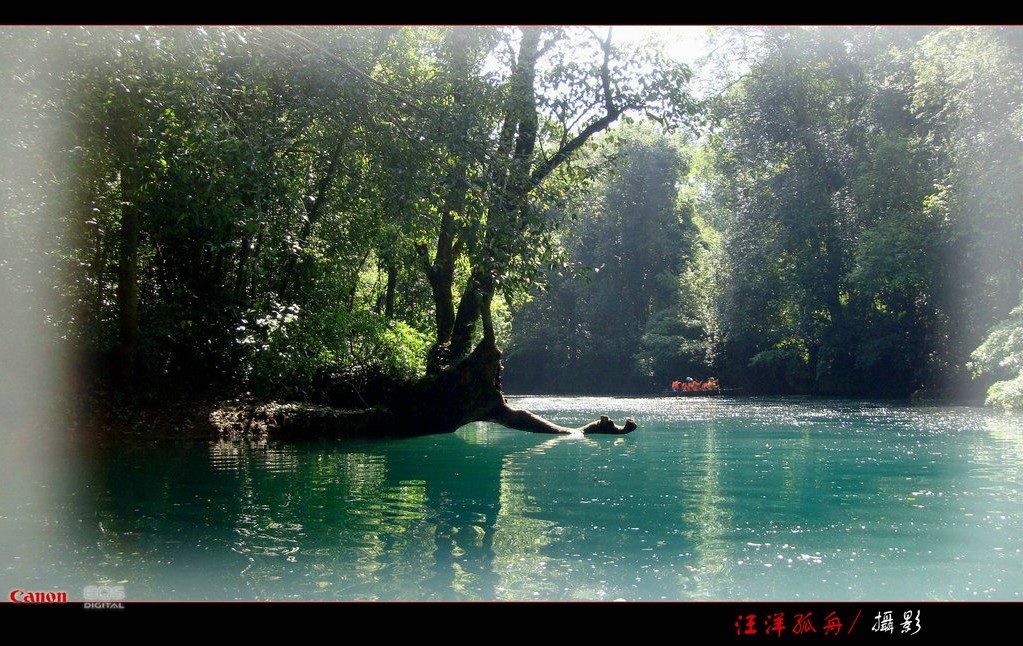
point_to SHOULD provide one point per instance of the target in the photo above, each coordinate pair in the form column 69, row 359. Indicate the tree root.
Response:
column 469, row 391
column 296, row 421
column 523, row 420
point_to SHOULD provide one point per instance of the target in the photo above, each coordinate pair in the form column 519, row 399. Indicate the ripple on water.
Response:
column 713, row 498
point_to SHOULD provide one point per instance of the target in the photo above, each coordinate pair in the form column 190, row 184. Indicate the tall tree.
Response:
column 272, row 204
column 632, row 240
column 968, row 82
column 820, row 191
column 561, row 89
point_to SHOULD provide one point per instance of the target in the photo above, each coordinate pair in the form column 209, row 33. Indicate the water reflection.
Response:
column 705, row 522
column 520, row 535
column 1006, row 429
column 712, row 499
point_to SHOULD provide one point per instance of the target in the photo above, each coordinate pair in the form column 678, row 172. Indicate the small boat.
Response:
column 690, row 387
column 708, row 392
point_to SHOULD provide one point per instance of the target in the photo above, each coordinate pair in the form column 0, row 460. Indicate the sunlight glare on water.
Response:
column 712, row 498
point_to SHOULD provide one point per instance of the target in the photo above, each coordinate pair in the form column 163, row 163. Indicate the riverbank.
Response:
column 106, row 413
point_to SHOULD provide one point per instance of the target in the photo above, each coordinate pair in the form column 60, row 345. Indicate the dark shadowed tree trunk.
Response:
column 469, row 391
column 495, row 170
column 127, row 268
column 469, row 388
column 392, row 284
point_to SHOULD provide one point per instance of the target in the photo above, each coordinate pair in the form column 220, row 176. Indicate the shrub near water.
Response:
column 288, row 347
column 1001, row 355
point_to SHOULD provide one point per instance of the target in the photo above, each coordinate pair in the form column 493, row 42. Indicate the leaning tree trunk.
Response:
column 462, row 386
column 469, row 391
column 128, row 278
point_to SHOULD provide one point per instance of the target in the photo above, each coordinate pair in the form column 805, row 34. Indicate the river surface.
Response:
column 711, row 499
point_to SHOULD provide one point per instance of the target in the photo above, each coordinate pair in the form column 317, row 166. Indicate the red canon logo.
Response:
column 19, row 596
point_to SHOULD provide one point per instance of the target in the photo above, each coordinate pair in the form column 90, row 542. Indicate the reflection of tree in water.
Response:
column 304, row 521
column 454, row 518
column 1000, row 457
column 521, row 536
column 479, row 530
column 334, row 528
column 265, row 533
column 489, row 514
column 705, row 522
column 472, row 519
column 1006, row 452
column 461, row 514
column 572, row 524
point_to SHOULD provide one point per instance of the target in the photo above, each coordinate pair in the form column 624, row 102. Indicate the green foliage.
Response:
column 700, row 288
column 848, row 181
column 287, row 348
column 304, row 200
column 669, row 349
column 788, row 359
column 966, row 95
column 249, row 207
column 1007, row 394
column 620, row 327
column 1001, row 356
column 264, row 180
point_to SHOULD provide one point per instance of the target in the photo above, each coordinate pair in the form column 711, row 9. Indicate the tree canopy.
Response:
column 864, row 182
column 286, row 209
column 352, row 215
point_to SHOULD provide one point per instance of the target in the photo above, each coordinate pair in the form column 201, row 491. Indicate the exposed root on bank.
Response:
column 298, row 420
column 469, row 391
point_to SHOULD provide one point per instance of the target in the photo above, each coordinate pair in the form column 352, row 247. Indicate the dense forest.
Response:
column 848, row 223
column 382, row 218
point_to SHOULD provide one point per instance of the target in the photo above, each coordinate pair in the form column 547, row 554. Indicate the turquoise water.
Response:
column 711, row 499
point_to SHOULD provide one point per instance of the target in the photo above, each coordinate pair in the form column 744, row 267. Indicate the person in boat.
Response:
column 690, row 384
column 676, row 386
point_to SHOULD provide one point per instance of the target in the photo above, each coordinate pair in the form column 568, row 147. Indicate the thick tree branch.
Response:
column 523, row 420
column 605, row 73
column 314, row 206
column 546, row 168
